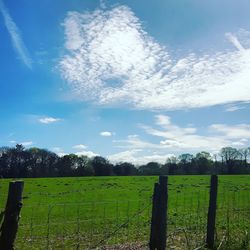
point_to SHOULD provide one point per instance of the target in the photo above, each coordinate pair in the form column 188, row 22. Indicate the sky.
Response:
column 134, row 81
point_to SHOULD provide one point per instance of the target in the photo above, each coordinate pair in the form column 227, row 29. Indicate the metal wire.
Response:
column 92, row 224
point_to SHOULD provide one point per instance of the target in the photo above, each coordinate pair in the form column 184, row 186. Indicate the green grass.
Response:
column 63, row 212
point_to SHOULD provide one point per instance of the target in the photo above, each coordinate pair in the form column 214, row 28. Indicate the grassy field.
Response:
column 88, row 212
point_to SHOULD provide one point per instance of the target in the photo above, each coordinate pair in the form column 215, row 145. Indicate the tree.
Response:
column 4, row 168
column 124, row 169
column 185, row 162
column 244, row 153
column 83, row 166
column 43, row 162
column 16, row 162
column 19, row 162
column 102, row 166
column 151, row 168
column 171, row 166
column 229, row 155
column 67, row 164
column 203, row 162
column 185, row 158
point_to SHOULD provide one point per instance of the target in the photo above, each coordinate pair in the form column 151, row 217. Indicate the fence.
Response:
column 126, row 223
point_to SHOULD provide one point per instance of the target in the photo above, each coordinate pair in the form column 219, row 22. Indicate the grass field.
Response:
column 88, row 212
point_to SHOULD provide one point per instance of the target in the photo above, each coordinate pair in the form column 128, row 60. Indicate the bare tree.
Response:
column 244, row 153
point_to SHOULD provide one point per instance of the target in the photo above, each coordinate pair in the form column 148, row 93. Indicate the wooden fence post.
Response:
column 158, row 234
column 154, row 227
column 163, row 206
column 211, row 216
column 11, row 215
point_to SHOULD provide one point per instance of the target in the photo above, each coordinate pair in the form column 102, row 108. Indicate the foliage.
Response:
column 35, row 162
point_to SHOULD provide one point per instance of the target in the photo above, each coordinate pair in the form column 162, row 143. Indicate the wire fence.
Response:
column 125, row 223
column 84, row 225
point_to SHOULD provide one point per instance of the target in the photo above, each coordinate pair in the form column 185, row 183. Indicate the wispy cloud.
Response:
column 190, row 139
column 237, row 106
column 233, row 108
column 15, row 35
column 136, row 143
column 134, row 156
column 110, row 58
column 171, row 139
column 79, row 147
column 24, row 143
column 232, row 132
column 48, row 120
column 234, row 40
column 27, row 143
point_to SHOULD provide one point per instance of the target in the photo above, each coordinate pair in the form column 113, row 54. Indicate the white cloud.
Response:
column 233, row 108
column 133, row 136
column 27, row 143
column 232, row 132
column 48, row 120
column 110, row 59
column 234, row 40
column 90, row 154
column 106, row 133
column 236, row 107
column 237, row 144
column 175, row 140
column 135, row 143
column 15, row 35
column 128, row 156
column 61, row 154
column 79, row 147
column 59, row 151
column 162, row 120
column 136, row 156
column 178, row 138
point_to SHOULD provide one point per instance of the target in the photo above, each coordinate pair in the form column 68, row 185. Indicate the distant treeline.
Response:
column 35, row 162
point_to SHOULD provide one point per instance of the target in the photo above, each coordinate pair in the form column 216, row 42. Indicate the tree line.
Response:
column 18, row 162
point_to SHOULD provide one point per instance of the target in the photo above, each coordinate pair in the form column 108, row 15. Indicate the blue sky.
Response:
column 129, row 80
